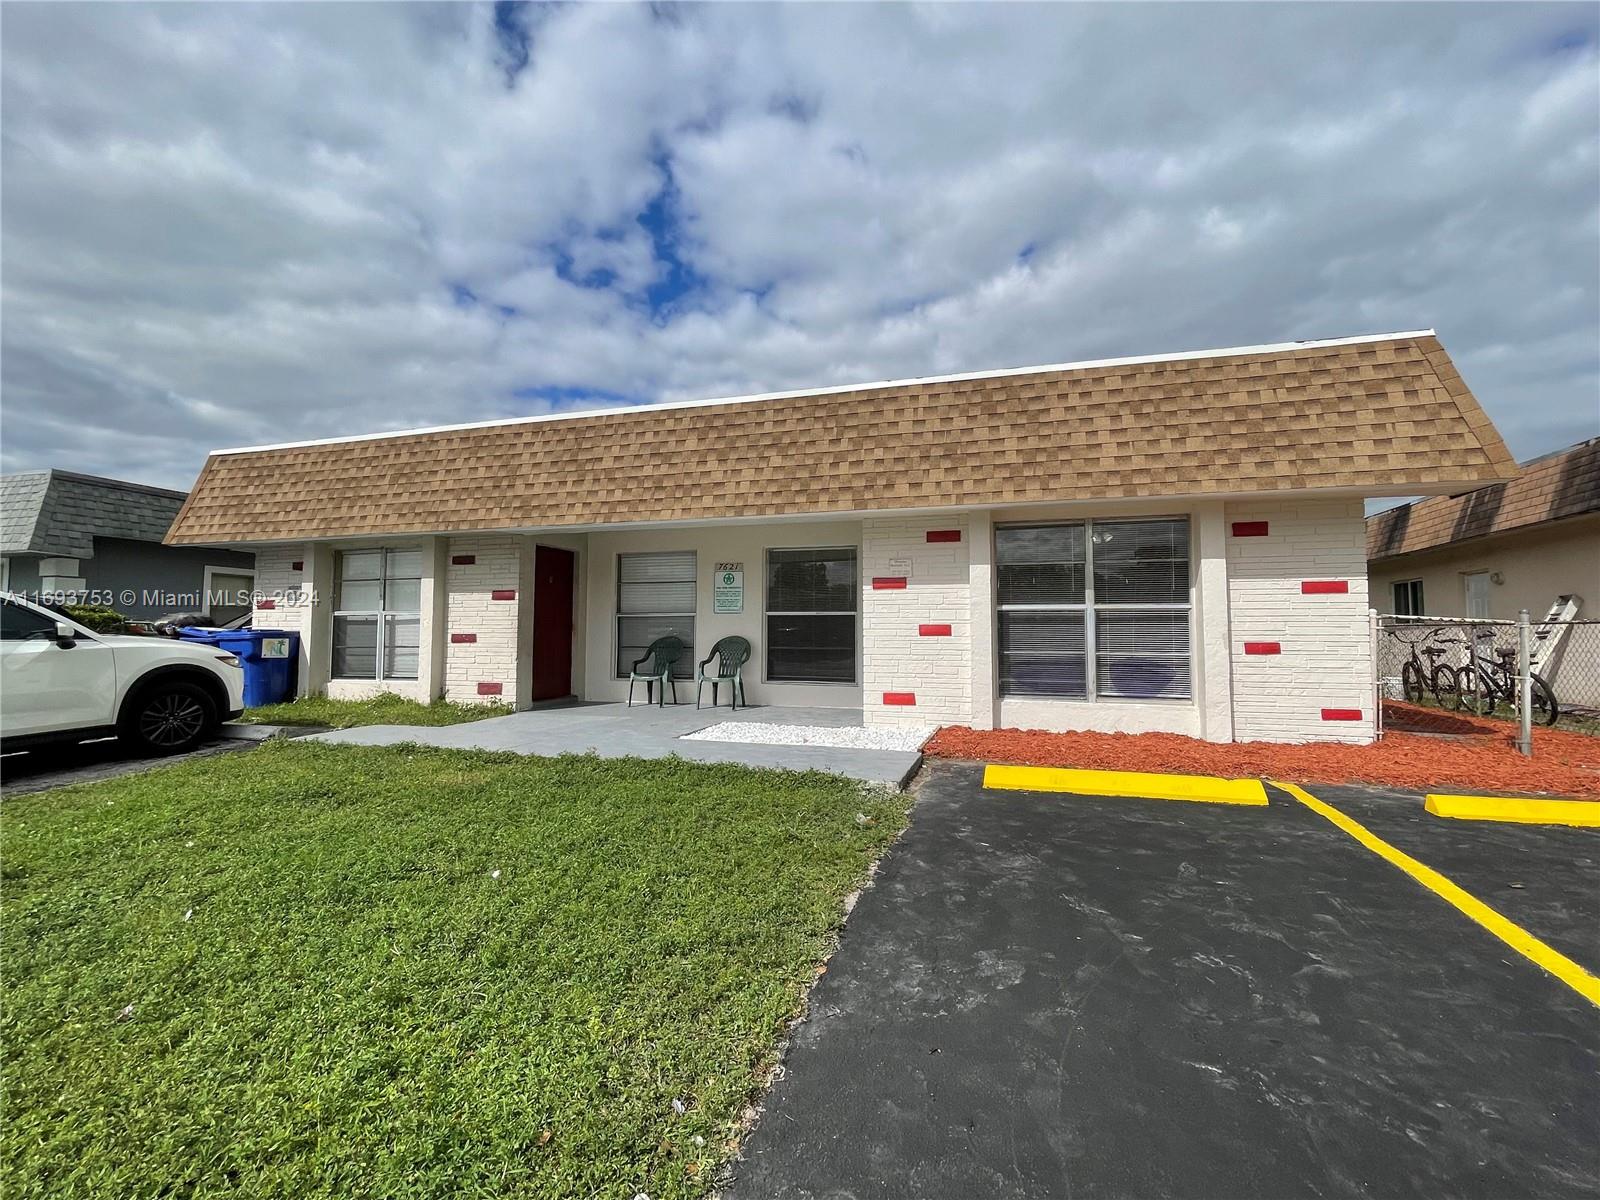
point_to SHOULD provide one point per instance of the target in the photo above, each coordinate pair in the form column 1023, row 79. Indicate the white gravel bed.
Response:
column 850, row 737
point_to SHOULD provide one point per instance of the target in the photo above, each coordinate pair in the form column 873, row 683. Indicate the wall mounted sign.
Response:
column 727, row 588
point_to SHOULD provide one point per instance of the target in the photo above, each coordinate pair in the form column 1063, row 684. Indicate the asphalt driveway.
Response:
column 1053, row 996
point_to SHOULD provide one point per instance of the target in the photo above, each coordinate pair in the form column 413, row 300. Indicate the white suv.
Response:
column 60, row 682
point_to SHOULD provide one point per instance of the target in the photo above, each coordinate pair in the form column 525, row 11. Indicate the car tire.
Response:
column 168, row 718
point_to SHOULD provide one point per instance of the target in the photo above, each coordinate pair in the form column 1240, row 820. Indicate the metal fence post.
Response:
column 1524, row 685
column 1377, row 674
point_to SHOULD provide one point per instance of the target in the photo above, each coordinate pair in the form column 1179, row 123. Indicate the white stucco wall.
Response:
column 484, row 604
column 1321, row 673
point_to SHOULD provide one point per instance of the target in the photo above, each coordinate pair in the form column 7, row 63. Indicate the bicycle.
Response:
column 1480, row 686
column 1418, row 678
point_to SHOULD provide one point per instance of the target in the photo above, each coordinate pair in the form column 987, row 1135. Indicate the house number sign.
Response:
column 727, row 588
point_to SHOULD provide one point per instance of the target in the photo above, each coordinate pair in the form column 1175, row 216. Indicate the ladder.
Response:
column 1547, row 637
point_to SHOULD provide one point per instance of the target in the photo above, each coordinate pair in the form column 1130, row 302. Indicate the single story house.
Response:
column 99, row 540
column 1491, row 552
column 1173, row 542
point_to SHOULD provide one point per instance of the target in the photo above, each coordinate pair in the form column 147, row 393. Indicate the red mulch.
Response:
column 1479, row 757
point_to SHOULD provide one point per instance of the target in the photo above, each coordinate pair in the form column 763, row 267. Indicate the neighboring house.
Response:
column 68, row 535
column 1493, row 551
column 1166, row 543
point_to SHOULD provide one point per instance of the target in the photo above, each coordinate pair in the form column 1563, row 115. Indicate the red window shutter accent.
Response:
column 1262, row 648
column 933, row 630
column 1341, row 714
column 899, row 697
column 266, row 604
column 503, row 594
column 1249, row 529
column 888, row 583
column 297, row 565
column 1324, row 587
column 489, row 689
column 463, row 560
column 463, row 639
column 944, row 535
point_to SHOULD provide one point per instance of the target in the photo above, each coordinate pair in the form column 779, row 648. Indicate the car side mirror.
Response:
column 66, row 635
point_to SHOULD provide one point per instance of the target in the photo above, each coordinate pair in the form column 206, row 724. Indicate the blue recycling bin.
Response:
column 267, row 655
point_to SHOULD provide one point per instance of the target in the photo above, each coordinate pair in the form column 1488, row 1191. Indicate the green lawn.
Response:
column 333, row 994
column 387, row 709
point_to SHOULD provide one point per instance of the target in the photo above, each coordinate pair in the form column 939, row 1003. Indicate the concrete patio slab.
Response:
column 645, row 731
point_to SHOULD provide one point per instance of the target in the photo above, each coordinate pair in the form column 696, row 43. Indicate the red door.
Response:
column 552, row 623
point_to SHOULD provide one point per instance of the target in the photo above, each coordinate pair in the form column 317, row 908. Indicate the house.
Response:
column 100, row 541
column 1495, row 550
column 1172, row 542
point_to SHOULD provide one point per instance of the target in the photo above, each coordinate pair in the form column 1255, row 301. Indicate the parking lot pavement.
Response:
column 87, row 762
column 1051, row 995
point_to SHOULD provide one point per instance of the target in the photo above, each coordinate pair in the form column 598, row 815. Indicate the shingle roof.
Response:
column 1379, row 415
column 61, row 512
column 1563, row 484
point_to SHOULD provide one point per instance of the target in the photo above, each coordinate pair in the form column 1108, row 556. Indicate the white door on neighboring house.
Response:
column 1477, row 585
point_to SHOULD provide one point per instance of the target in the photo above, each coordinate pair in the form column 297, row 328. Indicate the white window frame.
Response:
column 617, row 614
column 208, row 572
column 382, row 613
column 1088, row 607
column 1409, row 609
column 766, row 564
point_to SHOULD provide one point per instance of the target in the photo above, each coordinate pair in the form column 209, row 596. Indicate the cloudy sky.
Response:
column 226, row 225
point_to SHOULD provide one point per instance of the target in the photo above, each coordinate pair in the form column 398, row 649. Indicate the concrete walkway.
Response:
column 645, row 731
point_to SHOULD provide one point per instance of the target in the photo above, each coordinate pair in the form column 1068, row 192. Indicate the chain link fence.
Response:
column 1449, row 675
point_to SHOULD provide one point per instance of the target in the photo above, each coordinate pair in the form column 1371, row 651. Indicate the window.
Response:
column 377, row 622
column 1095, row 608
column 655, row 598
column 18, row 624
column 811, row 601
column 1408, row 598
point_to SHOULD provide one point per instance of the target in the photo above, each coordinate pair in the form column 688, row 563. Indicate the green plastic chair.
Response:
column 730, row 655
column 657, row 662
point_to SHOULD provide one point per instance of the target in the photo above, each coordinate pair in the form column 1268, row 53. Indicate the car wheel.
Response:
column 169, row 718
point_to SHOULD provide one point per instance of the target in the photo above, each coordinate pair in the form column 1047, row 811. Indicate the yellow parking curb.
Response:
column 1583, row 813
column 1204, row 788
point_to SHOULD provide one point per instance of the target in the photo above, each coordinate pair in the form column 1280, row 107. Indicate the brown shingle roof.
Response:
column 1564, row 484
column 1379, row 415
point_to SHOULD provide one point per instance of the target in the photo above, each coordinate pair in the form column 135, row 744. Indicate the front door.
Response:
column 552, row 623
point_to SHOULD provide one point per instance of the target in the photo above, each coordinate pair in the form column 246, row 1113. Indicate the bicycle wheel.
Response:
column 1411, row 682
column 1474, row 692
column 1447, row 687
column 1545, row 710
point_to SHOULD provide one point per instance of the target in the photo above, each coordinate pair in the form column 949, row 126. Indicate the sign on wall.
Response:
column 727, row 588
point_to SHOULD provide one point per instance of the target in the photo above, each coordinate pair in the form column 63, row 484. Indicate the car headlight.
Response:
column 231, row 660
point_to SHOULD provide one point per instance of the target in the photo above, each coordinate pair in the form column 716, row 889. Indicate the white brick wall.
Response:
column 896, row 657
column 1325, row 660
column 470, row 608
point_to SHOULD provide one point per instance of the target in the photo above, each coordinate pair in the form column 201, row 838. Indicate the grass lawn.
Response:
column 295, row 971
column 387, row 709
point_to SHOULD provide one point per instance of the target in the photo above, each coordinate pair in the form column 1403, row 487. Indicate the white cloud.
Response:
column 232, row 224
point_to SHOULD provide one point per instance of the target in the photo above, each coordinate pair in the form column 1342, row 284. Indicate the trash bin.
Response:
column 269, row 657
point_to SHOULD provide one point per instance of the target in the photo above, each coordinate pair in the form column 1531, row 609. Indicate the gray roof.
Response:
column 60, row 513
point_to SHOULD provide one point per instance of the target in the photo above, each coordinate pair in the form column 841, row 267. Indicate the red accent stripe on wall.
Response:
column 1262, row 648
column 503, row 594
column 899, row 697
column 1324, row 587
column 463, row 639
column 266, row 604
column 1341, row 714
column 297, row 565
column 944, row 535
column 489, row 689
column 463, row 560
column 888, row 583
column 933, row 631
column 1249, row 529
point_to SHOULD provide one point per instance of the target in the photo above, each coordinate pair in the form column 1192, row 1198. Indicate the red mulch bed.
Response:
column 1479, row 756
